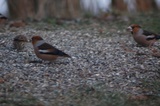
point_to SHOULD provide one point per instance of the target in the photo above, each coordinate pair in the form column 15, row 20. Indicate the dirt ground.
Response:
column 107, row 67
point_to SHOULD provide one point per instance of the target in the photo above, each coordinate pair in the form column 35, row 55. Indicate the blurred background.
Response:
column 73, row 9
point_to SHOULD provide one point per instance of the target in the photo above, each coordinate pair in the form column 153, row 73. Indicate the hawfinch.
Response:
column 143, row 37
column 46, row 51
column 19, row 42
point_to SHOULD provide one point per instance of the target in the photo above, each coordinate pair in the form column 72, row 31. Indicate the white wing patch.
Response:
column 151, row 36
column 43, row 51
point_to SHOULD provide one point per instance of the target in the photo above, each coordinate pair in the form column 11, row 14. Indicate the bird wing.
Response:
column 50, row 50
column 147, row 33
column 45, row 46
column 151, row 35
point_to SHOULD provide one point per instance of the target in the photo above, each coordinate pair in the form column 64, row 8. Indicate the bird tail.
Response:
column 157, row 37
column 66, row 55
column 60, row 53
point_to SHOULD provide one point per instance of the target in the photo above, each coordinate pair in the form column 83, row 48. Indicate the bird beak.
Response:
column 129, row 29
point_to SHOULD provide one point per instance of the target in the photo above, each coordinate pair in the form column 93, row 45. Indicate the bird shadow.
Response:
column 49, row 62
column 35, row 61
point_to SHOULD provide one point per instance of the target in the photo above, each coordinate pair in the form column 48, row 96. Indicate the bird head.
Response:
column 35, row 39
column 133, row 28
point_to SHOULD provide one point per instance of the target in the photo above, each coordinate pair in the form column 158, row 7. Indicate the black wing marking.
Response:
column 49, row 49
column 151, row 35
column 45, row 46
column 147, row 33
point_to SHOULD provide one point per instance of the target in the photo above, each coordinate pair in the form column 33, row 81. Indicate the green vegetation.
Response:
column 19, row 100
column 91, row 96
column 150, row 21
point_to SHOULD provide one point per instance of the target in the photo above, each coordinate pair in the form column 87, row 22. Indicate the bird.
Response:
column 19, row 42
column 46, row 51
column 143, row 37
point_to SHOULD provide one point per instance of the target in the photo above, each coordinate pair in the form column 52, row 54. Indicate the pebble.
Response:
column 94, row 59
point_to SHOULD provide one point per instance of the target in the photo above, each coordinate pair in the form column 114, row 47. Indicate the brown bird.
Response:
column 143, row 37
column 19, row 42
column 46, row 51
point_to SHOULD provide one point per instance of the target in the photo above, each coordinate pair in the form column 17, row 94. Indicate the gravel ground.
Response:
column 99, row 56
